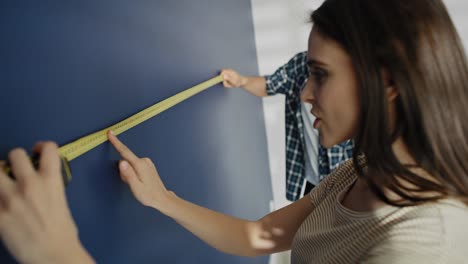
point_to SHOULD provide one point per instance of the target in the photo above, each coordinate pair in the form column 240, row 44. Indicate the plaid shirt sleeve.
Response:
column 290, row 78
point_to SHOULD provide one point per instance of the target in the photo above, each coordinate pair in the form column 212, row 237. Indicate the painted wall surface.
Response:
column 69, row 68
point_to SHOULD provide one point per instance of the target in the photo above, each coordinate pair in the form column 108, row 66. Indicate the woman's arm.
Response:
column 272, row 233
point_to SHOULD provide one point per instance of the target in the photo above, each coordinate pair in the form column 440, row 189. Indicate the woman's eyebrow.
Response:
column 314, row 62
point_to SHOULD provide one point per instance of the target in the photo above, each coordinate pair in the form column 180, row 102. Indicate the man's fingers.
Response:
column 21, row 165
column 49, row 162
column 38, row 147
column 123, row 150
column 6, row 183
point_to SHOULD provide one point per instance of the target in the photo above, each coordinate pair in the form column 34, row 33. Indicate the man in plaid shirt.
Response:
column 307, row 162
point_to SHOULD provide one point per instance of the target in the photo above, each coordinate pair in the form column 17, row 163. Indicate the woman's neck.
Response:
column 360, row 197
column 403, row 155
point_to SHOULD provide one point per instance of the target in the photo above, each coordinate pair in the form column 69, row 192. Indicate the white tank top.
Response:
column 311, row 145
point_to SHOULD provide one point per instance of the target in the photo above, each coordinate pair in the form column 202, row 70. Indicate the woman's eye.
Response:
column 319, row 76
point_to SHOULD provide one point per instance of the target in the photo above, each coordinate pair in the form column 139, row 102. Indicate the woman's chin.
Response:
column 325, row 142
column 328, row 142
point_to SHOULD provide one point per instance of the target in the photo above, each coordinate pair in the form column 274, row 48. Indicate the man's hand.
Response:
column 233, row 78
column 35, row 222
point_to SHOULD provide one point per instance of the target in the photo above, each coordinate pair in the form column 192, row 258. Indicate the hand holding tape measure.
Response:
column 82, row 145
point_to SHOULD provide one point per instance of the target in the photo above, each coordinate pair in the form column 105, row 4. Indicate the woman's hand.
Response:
column 35, row 222
column 141, row 175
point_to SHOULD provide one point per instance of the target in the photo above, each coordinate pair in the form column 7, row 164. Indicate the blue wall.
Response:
column 69, row 68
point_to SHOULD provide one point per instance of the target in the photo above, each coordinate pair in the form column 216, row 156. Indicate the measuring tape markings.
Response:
column 82, row 145
column 76, row 148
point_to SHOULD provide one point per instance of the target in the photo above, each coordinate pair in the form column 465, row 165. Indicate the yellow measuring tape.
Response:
column 80, row 146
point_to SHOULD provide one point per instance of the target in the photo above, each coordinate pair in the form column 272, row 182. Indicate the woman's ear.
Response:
column 390, row 88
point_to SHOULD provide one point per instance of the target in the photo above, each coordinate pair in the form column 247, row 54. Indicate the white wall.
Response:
column 458, row 11
column 281, row 30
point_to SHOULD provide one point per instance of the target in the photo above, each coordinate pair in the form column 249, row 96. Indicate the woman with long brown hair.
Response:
column 393, row 76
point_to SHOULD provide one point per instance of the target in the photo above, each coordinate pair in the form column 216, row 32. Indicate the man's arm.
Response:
column 255, row 85
column 287, row 79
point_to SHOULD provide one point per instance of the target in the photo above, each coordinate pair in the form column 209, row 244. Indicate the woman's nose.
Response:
column 307, row 93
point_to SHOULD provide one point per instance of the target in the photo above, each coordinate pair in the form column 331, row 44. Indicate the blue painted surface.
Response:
column 69, row 68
